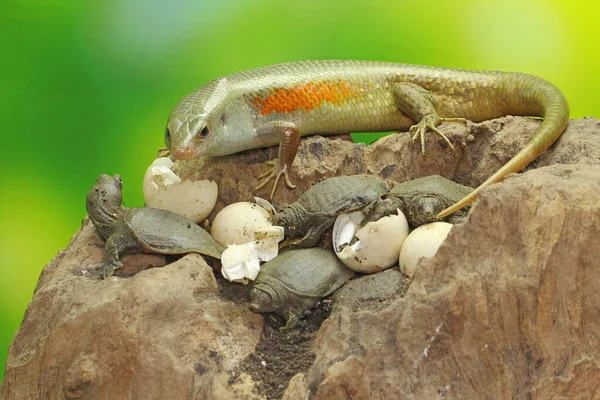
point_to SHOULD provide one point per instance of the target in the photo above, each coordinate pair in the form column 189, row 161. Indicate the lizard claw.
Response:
column 276, row 172
column 430, row 122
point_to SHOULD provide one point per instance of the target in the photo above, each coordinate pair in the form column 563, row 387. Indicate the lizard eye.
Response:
column 167, row 136
column 204, row 132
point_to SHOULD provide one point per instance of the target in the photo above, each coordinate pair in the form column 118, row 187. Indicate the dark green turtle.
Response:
column 294, row 281
column 141, row 229
column 421, row 200
column 317, row 208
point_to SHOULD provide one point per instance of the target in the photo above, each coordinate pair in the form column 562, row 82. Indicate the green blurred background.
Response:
column 86, row 87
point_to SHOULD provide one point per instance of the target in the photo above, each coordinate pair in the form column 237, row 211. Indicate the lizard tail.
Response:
column 532, row 96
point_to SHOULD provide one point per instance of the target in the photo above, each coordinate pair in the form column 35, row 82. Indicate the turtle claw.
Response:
column 291, row 320
column 276, row 172
column 107, row 269
column 430, row 122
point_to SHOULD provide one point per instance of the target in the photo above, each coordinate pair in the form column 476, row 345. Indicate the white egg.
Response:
column 239, row 223
column 372, row 248
column 424, row 241
column 164, row 189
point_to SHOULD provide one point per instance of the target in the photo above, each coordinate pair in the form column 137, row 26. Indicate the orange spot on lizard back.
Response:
column 305, row 97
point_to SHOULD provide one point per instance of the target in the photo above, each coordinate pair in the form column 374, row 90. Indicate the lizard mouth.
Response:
column 184, row 153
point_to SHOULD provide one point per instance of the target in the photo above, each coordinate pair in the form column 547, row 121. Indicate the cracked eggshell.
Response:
column 240, row 263
column 164, row 189
column 372, row 248
column 238, row 223
column 424, row 241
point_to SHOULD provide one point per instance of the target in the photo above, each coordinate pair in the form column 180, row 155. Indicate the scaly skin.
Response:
column 280, row 103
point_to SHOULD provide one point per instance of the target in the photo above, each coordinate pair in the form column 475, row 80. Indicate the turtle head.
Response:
column 424, row 210
column 289, row 219
column 103, row 201
column 262, row 301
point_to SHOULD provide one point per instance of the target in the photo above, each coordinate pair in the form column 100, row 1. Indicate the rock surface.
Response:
column 481, row 149
column 504, row 310
column 508, row 308
column 158, row 334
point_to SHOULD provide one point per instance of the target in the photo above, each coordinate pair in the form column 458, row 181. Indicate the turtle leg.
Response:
column 116, row 244
column 291, row 319
column 314, row 234
column 458, row 217
column 381, row 208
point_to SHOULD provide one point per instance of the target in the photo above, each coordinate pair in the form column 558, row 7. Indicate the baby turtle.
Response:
column 294, row 281
column 421, row 200
column 141, row 229
column 317, row 208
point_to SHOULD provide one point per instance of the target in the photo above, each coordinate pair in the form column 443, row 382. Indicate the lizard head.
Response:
column 196, row 121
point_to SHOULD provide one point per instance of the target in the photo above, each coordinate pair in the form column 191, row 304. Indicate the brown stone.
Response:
column 161, row 333
column 509, row 306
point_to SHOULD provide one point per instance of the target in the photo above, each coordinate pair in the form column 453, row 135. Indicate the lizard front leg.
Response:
column 288, row 147
column 417, row 103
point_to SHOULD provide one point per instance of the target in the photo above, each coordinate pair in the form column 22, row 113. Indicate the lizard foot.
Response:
column 275, row 173
column 430, row 122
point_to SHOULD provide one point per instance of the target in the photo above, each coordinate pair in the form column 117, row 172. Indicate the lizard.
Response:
column 281, row 103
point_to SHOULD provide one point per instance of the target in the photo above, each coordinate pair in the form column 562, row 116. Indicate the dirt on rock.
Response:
column 282, row 354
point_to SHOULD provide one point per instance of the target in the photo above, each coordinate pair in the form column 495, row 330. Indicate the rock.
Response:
column 297, row 388
column 579, row 144
column 343, row 381
column 508, row 308
column 481, row 149
column 161, row 333
column 391, row 157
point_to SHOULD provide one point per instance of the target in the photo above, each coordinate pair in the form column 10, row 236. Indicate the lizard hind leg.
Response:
column 418, row 104
column 428, row 122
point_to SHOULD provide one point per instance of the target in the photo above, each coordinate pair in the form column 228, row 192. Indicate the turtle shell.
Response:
column 166, row 232
column 444, row 189
column 313, row 272
column 343, row 193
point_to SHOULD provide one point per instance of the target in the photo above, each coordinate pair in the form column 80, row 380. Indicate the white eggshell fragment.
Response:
column 238, row 223
column 424, row 241
column 240, row 263
column 267, row 243
column 164, row 189
column 372, row 248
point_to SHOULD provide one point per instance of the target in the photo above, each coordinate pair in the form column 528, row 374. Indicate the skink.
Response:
column 279, row 104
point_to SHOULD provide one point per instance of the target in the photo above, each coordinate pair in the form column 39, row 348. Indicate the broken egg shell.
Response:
column 238, row 223
column 240, row 263
column 424, row 241
column 377, row 244
column 164, row 189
